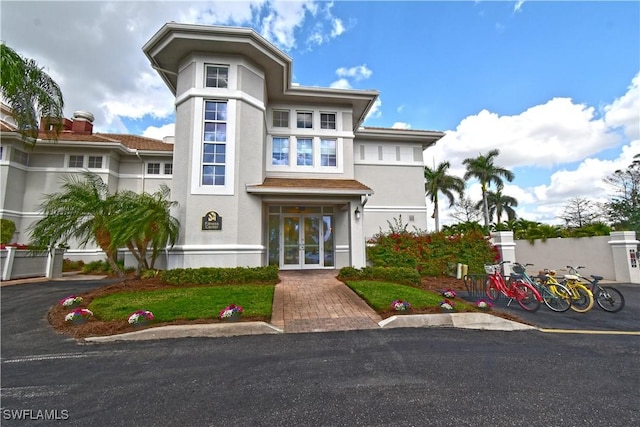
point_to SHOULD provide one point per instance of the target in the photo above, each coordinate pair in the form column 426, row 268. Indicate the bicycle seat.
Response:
column 571, row 277
column 597, row 278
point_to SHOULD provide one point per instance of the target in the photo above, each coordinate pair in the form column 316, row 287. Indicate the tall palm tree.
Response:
column 438, row 181
column 498, row 204
column 30, row 93
column 484, row 170
column 82, row 211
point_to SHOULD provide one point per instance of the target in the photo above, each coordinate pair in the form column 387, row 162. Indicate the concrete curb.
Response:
column 182, row 331
column 454, row 320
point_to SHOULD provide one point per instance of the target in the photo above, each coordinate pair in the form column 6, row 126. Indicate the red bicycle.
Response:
column 527, row 296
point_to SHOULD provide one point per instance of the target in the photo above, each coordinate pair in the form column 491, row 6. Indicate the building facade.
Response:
column 264, row 171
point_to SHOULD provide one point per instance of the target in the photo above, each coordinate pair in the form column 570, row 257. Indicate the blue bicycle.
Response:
column 556, row 297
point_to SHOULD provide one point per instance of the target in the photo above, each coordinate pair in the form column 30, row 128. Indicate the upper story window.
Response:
column 280, row 155
column 20, row 157
column 76, row 161
column 328, row 152
column 217, row 76
column 153, row 168
column 168, row 168
column 95, row 162
column 280, row 119
column 305, row 152
column 327, row 120
column 304, row 120
column 214, row 144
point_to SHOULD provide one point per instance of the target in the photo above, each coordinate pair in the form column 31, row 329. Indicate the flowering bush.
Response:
column 14, row 245
column 430, row 253
column 71, row 301
column 399, row 305
column 447, row 305
column 140, row 317
column 449, row 293
column 230, row 311
column 81, row 314
column 484, row 304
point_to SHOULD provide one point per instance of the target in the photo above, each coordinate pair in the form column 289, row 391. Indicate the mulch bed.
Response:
column 95, row 327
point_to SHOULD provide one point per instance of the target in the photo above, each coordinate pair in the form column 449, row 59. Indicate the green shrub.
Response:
column 68, row 265
column 7, row 230
column 219, row 276
column 402, row 275
column 431, row 253
column 101, row 267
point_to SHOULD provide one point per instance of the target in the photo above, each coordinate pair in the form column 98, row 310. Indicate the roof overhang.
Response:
column 174, row 42
column 301, row 187
column 425, row 137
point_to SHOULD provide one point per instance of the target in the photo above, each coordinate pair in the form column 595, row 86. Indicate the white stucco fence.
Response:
column 22, row 264
column 614, row 257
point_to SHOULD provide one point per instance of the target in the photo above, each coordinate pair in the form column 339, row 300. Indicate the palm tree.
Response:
column 82, row 211
column 145, row 220
column 30, row 93
column 498, row 204
column 438, row 181
column 483, row 169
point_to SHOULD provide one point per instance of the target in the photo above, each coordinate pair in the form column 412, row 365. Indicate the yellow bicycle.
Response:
column 581, row 297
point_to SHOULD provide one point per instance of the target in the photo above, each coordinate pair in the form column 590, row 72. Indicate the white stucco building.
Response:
column 264, row 171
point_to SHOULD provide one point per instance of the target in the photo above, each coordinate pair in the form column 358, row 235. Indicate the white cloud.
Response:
column 625, row 111
column 518, row 6
column 401, row 125
column 341, row 84
column 559, row 136
column 160, row 132
column 359, row 72
column 99, row 64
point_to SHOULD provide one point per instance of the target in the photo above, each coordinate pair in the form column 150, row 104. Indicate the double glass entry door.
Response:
column 307, row 241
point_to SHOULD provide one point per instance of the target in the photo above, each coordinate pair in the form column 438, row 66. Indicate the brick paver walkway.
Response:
column 315, row 301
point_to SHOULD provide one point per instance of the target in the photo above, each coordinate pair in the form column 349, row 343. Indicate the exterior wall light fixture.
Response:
column 357, row 213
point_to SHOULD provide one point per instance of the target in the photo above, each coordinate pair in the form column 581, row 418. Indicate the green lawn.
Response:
column 380, row 295
column 186, row 303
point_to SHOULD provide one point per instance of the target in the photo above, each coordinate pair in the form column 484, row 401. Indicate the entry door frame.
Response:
column 303, row 245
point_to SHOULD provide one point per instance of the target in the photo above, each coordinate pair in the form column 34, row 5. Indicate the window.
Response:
column 153, row 168
column 328, row 152
column 214, row 145
column 280, row 155
column 20, row 157
column 280, row 119
column 217, row 76
column 168, row 168
column 305, row 120
column 305, row 152
column 327, row 121
column 95, row 162
column 76, row 161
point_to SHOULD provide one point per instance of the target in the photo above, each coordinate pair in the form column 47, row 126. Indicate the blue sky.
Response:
column 553, row 85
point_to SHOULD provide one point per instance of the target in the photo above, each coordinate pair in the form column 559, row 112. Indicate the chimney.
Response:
column 82, row 122
column 48, row 124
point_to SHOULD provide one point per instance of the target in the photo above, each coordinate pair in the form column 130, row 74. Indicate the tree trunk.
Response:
column 486, row 206
column 103, row 238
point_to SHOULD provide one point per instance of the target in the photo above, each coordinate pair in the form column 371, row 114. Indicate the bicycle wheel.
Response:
column 556, row 297
column 609, row 299
column 526, row 296
column 582, row 298
column 493, row 293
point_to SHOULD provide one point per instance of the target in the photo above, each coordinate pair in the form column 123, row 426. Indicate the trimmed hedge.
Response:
column 221, row 276
column 401, row 275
